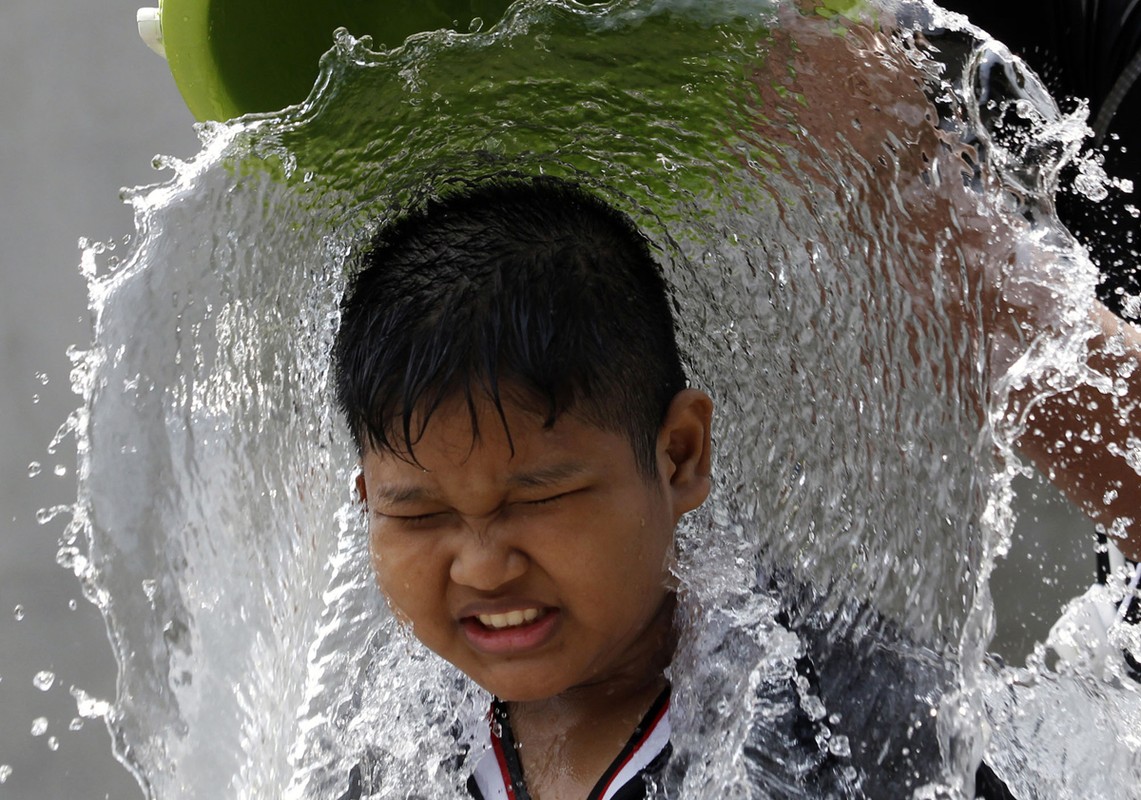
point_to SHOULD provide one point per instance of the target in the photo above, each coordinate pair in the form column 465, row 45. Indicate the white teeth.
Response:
column 509, row 620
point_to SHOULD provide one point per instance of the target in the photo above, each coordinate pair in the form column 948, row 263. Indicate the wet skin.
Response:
column 567, row 527
column 567, row 533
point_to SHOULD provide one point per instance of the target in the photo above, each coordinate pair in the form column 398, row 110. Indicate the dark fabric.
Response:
column 879, row 694
column 876, row 686
column 880, row 690
column 633, row 790
column 636, row 788
column 1082, row 49
column 989, row 786
column 510, row 752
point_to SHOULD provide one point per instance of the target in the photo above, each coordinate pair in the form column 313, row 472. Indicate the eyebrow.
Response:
column 534, row 479
column 396, row 495
column 547, row 476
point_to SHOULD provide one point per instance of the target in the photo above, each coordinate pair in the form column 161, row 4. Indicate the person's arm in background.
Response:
column 1021, row 289
column 1087, row 440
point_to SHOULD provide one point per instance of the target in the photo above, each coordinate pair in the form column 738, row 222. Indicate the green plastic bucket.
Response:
column 234, row 57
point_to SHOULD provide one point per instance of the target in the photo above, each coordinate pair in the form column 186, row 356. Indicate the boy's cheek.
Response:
column 390, row 579
column 388, row 554
column 391, row 586
column 398, row 612
column 387, row 577
column 394, row 579
column 375, row 556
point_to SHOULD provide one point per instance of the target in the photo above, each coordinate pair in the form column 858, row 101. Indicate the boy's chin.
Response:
column 530, row 685
column 536, row 689
column 522, row 691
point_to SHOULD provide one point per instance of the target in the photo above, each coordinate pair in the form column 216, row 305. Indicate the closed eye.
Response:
column 413, row 520
column 541, row 501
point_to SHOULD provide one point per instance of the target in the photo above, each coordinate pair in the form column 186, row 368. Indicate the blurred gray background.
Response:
column 85, row 106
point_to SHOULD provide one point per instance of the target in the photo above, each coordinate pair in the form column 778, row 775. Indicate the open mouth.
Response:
column 512, row 631
column 512, row 619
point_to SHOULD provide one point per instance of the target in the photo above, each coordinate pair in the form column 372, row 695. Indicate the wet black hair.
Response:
column 533, row 288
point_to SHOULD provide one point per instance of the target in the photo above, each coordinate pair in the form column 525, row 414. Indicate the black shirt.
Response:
column 880, row 691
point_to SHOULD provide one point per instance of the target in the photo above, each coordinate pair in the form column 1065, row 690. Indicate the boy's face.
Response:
column 543, row 570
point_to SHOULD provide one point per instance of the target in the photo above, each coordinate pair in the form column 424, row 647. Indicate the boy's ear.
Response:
column 362, row 490
column 684, row 446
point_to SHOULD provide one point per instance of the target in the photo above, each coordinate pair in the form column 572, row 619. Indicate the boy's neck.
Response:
column 566, row 742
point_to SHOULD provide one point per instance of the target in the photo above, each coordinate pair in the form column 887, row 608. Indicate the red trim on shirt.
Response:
column 508, row 784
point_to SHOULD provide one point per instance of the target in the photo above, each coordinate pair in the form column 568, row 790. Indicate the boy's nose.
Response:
column 486, row 560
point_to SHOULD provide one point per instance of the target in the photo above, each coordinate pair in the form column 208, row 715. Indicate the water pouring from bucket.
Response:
column 692, row 124
column 234, row 57
column 240, row 57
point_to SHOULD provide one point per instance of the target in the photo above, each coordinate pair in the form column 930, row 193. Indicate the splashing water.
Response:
column 820, row 244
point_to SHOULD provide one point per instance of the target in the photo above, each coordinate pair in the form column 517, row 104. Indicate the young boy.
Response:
column 508, row 367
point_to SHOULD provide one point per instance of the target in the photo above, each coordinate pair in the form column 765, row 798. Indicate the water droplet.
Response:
column 53, row 743
column 150, row 588
column 44, row 680
column 60, row 470
column 39, row 726
column 88, row 706
column 18, row 612
column 814, row 707
column 76, row 724
column 35, row 399
column 42, row 377
column 34, row 469
column 70, row 426
column 73, row 604
column 46, row 515
column 5, row 773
